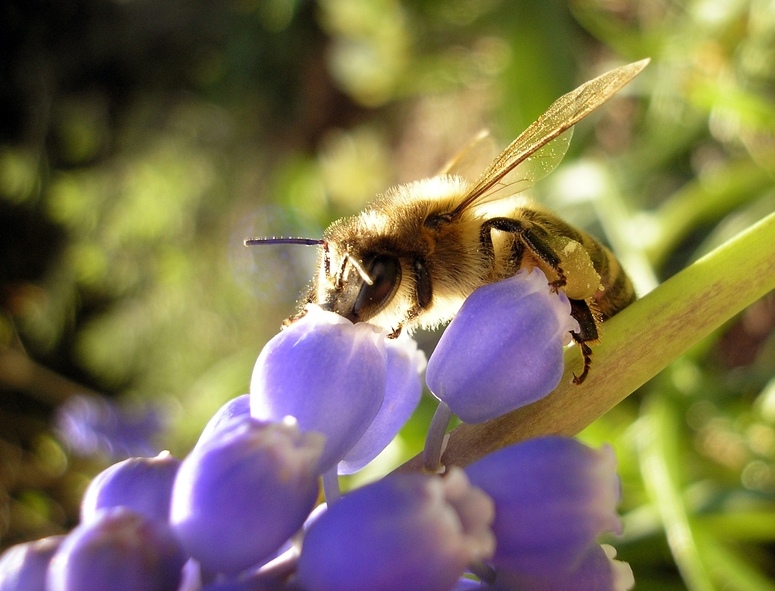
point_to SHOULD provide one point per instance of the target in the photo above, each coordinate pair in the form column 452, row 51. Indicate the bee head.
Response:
column 356, row 286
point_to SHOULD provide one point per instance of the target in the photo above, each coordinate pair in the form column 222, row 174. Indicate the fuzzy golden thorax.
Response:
column 422, row 267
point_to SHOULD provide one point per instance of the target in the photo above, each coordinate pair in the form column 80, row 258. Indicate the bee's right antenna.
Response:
column 302, row 241
column 274, row 240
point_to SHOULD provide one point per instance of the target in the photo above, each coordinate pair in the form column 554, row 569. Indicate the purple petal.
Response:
column 405, row 363
column 553, row 497
column 327, row 373
column 504, row 348
column 407, row 531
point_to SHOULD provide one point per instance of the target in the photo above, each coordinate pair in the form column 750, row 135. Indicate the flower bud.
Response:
column 118, row 549
column 23, row 567
column 141, row 484
column 503, row 349
column 407, row 531
column 242, row 493
column 328, row 374
column 553, row 498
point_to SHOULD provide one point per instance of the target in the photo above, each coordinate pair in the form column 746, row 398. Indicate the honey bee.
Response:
column 415, row 253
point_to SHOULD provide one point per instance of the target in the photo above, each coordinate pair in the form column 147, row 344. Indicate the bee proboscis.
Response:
column 416, row 252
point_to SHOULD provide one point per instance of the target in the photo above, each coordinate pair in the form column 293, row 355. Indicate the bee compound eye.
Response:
column 385, row 274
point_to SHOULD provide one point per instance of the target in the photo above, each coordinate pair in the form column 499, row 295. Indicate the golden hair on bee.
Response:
column 415, row 253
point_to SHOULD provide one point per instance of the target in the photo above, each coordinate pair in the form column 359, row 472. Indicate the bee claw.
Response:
column 586, row 353
column 580, row 379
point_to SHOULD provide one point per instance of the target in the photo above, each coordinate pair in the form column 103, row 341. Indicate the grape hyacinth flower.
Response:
column 553, row 498
column 407, row 531
column 141, row 484
column 241, row 494
column 23, row 567
column 327, row 373
column 119, row 550
column 503, row 349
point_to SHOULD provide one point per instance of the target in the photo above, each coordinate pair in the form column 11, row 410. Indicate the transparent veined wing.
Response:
column 530, row 170
column 473, row 158
column 535, row 147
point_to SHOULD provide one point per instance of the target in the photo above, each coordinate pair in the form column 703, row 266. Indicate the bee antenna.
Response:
column 281, row 240
column 361, row 271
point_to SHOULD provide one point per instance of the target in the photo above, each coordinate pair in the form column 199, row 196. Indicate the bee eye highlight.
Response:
column 385, row 274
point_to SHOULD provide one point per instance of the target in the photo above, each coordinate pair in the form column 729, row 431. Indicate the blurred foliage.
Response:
column 142, row 141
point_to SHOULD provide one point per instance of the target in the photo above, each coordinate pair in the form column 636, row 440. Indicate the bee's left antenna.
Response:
column 274, row 240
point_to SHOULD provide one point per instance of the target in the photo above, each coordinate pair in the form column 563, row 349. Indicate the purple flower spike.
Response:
column 405, row 364
column 141, row 484
column 504, row 349
column 119, row 551
column 553, row 497
column 408, row 531
column 23, row 567
column 239, row 495
column 327, row 373
column 598, row 571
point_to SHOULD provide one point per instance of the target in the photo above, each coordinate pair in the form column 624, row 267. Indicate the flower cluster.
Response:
column 239, row 512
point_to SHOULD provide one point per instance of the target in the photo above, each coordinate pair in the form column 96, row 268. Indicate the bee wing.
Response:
column 472, row 158
column 531, row 157
column 530, row 170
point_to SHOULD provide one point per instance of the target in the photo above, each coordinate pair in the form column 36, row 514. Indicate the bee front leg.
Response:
column 396, row 332
column 302, row 310
column 588, row 332
column 411, row 314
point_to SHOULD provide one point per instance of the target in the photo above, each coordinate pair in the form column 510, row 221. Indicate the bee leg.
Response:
column 302, row 311
column 588, row 332
column 528, row 236
column 396, row 332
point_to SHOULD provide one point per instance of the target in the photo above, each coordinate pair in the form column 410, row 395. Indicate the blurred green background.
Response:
column 142, row 141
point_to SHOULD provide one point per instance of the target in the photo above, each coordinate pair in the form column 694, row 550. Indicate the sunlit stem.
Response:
column 278, row 569
column 484, row 571
column 331, row 488
column 436, row 440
